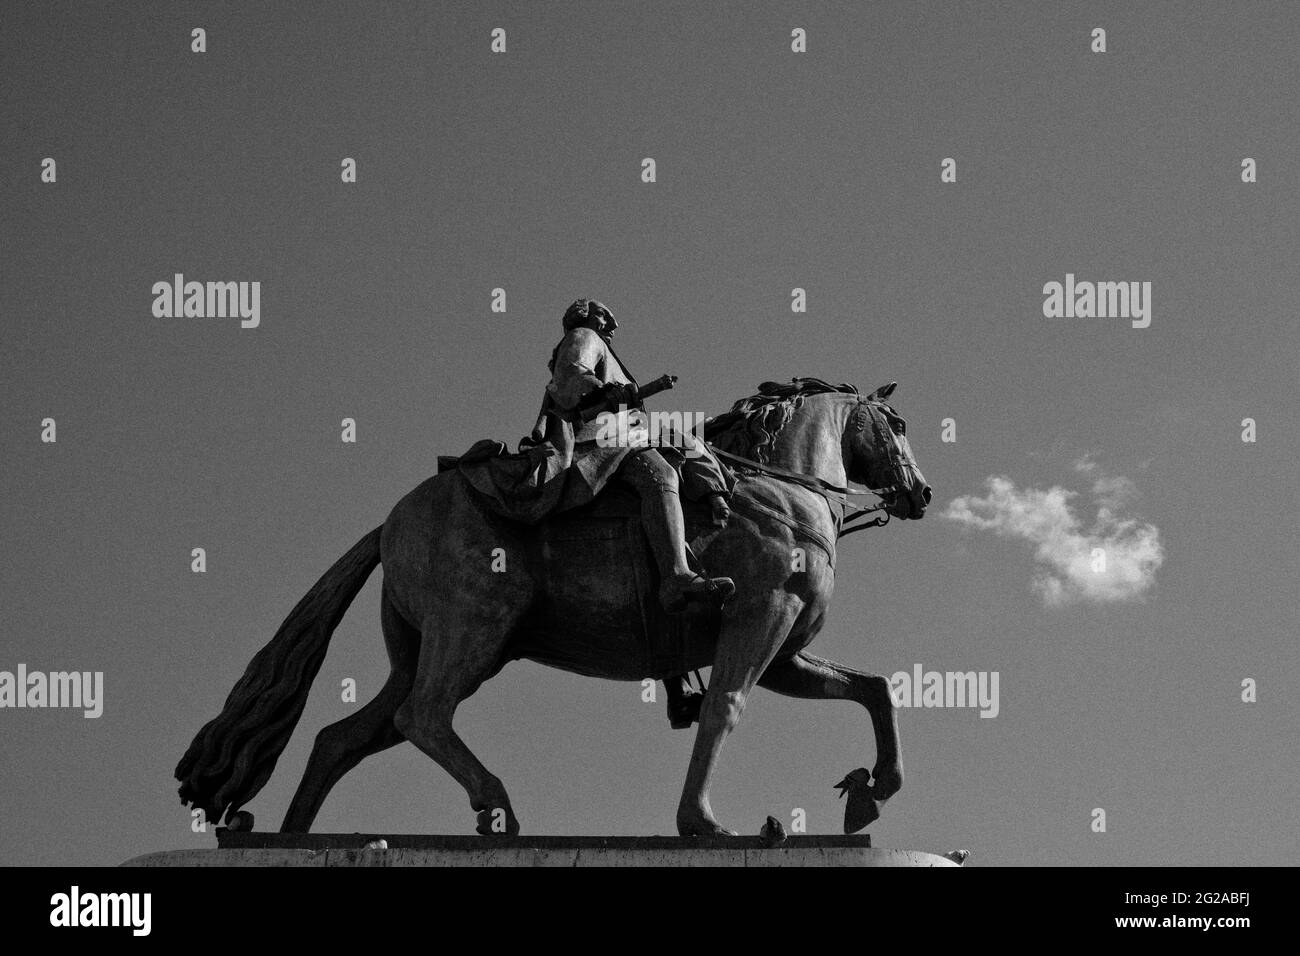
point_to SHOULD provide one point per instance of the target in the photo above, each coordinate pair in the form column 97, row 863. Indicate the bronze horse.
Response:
column 449, row 623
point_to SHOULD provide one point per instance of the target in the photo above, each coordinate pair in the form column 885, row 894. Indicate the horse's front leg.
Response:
column 753, row 630
column 813, row 678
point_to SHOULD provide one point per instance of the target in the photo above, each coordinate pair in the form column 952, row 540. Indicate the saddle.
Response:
column 482, row 450
column 542, row 481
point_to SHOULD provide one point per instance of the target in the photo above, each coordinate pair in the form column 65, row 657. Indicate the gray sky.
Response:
column 775, row 170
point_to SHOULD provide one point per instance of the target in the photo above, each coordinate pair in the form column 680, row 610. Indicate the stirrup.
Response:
column 685, row 711
column 715, row 591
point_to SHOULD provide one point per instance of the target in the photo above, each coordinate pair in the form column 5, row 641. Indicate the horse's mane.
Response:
column 753, row 423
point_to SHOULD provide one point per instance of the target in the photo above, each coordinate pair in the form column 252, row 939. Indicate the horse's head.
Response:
column 877, row 454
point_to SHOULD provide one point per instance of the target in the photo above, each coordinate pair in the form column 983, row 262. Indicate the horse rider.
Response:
column 585, row 370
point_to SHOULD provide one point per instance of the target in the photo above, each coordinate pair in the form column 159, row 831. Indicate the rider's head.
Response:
column 590, row 314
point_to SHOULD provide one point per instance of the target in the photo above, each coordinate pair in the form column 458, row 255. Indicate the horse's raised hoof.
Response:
column 862, row 809
column 241, row 820
column 497, row 821
column 886, row 781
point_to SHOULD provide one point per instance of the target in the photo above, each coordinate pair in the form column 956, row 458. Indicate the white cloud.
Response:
column 1066, row 570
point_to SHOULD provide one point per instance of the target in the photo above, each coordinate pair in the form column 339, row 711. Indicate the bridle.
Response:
column 866, row 413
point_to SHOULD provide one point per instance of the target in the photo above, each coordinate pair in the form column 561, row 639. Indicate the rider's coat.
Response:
column 584, row 361
column 561, row 464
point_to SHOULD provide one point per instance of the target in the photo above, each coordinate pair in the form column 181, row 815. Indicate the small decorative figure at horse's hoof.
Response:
column 773, row 833
column 862, row 809
column 684, row 711
column 242, row 820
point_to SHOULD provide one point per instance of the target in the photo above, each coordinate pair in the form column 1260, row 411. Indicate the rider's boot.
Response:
column 661, row 514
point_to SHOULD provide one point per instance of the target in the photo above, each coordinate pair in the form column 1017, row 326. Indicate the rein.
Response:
column 834, row 494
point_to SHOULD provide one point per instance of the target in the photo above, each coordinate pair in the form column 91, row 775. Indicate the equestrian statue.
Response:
column 606, row 547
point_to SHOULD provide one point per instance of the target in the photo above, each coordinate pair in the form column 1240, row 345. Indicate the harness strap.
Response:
column 876, row 522
column 812, row 482
column 799, row 527
column 834, row 495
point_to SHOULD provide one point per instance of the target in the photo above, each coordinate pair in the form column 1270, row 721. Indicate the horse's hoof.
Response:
column 497, row 821
column 241, row 820
column 714, row 831
column 702, row 828
column 862, row 809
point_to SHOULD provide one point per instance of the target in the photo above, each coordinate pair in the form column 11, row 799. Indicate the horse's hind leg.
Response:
column 813, row 678
column 462, row 647
column 344, row 744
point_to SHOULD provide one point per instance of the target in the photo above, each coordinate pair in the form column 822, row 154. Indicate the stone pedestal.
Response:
column 357, row 849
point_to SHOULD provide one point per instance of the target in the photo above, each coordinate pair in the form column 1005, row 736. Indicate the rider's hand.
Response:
column 721, row 511
column 623, row 395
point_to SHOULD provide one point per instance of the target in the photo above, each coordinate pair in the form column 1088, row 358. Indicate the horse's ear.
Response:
column 882, row 393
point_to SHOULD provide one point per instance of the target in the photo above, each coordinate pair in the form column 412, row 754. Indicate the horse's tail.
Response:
column 232, row 757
